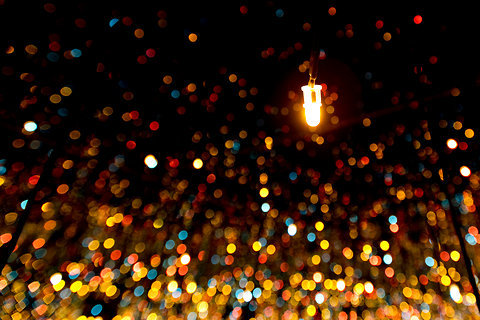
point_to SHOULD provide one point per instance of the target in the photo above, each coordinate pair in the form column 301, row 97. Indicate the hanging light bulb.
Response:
column 312, row 102
column 312, row 98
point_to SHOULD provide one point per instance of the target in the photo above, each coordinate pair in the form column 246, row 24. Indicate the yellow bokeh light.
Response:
column 152, row 316
column 74, row 287
column 264, row 192
column 469, row 133
column 271, row 249
column 311, row 310
column 93, row 245
column 349, row 271
column 317, row 277
column 108, row 111
column 319, row 225
column 457, row 125
column 191, row 287
column 446, row 281
column 384, row 245
column 66, row 91
column 55, row 98
column 328, row 284
column 231, row 248
column 172, row 286
column 348, row 253
column 197, row 163
column 401, row 195
column 257, row 246
column 109, row 243
column 157, row 224
column 226, row 290
column 67, row 164
column 455, row 255
column 358, row 288
column 59, row 286
column 156, row 285
column 367, row 249
column 268, row 284
column 83, row 290
column 324, row 244
column 202, row 306
column 470, row 298
column 111, row 290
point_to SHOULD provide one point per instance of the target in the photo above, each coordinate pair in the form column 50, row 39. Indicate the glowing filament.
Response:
column 312, row 103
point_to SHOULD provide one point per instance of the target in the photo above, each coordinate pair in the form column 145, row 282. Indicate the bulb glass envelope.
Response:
column 312, row 103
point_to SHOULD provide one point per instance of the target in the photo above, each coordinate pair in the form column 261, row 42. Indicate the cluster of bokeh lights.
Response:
column 244, row 223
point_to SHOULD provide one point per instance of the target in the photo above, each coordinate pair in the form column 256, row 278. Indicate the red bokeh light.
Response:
column 154, row 125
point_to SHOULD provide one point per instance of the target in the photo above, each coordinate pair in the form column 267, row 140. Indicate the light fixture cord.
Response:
column 313, row 69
